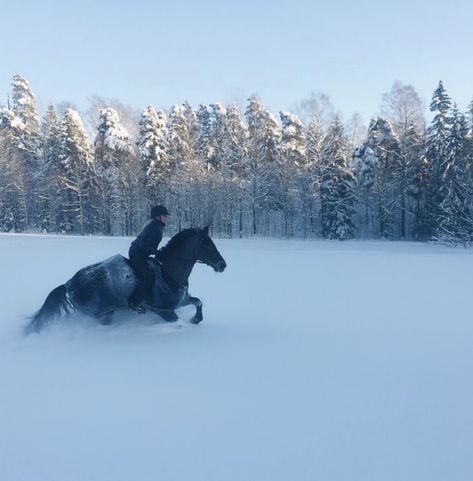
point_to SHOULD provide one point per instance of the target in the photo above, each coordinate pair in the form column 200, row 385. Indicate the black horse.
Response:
column 101, row 289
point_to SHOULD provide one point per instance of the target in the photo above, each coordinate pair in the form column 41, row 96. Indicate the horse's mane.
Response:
column 177, row 239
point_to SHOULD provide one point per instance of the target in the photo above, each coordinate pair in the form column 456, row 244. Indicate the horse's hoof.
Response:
column 169, row 316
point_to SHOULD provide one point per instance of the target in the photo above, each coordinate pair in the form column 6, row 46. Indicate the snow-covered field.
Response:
column 315, row 361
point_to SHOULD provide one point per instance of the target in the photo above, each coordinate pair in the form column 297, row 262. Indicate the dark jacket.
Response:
column 147, row 241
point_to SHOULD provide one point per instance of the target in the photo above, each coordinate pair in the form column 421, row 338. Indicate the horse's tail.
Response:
column 55, row 304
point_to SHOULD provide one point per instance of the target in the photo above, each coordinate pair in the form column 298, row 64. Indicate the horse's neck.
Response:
column 179, row 265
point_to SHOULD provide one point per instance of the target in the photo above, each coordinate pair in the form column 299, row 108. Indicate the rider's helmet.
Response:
column 158, row 210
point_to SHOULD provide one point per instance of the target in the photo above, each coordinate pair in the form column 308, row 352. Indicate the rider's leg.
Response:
column 140, row 266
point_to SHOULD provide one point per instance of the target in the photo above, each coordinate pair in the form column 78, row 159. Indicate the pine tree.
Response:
column 455, row 221
column 310, row 192
column 293, row 164
column 218, row 118
column 77, row 177
column 470, row 120
column 13, row 204
column 235, row 143
column 292, row 139
column 235, row 155
column 118, row 174
column 186, row 173
column 204, row 147
column 26, row 140
column 152, row 148
column 377, row 170
column 336, row 185
column 271, row 175
column 403, row 107
column 192, row 128
column 314, row 137
column 49, row 201
column 435, row 156
column 252, row 115
column 178, row 138
column 412, row 149
column 263, row 150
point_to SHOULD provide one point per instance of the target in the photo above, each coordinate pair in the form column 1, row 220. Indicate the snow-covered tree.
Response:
column 118, row 174
column 317, row 108
column 192, row 128
column 186, row 182
column 235, row 142
column 310, row 189
column 336, row 185
column 376, row 165
column 412, row 150
column 455, row 221
column 152, row 148
column 218, row 119
column 435, row 156
column 129, row 116
column 49, row 198
column 293, row 169
column 265, row 177
column 264, row 172
column 403, row 107
column 24, row 135
column 225, row 176
column 13, row 199
column 469, row 118
column 235, row 168
column 77, row 177
column 356, row 131
column 204, row 148
column 24, row 108
column 252, row 115
column 293, row 147
column 180, row 151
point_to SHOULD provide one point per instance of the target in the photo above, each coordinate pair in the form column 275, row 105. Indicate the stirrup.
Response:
column 139, row 309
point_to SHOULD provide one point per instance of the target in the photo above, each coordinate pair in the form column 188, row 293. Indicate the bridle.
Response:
column 190, row 258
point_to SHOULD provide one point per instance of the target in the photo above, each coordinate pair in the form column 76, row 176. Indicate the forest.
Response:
column 305, row 173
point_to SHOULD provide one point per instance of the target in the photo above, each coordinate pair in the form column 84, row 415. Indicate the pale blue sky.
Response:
column 162, row 53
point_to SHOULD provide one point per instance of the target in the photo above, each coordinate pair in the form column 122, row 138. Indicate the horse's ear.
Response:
column 205, row 230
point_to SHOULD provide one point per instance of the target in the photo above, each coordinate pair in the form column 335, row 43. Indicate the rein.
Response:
column 180, row 284
column 180, row 259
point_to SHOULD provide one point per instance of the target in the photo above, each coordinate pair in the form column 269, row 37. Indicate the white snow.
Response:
column 315, row 361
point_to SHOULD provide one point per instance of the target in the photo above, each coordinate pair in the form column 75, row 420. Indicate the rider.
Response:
column 146, row 244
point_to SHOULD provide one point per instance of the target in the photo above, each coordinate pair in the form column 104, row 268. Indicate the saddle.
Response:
column 157, row 269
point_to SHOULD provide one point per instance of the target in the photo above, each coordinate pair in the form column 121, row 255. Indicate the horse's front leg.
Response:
column 198, row 306
column 105, row 319
column 169, row 315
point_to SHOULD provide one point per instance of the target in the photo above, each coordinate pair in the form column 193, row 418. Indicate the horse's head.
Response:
column 186, row 248
column 207, row 252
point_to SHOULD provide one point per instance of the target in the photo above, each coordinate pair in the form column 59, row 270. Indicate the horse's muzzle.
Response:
column 220, row 265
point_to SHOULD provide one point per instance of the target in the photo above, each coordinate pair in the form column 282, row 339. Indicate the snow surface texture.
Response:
column 315, row 361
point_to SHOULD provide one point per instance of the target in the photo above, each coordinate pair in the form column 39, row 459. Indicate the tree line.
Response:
column 306, row 174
